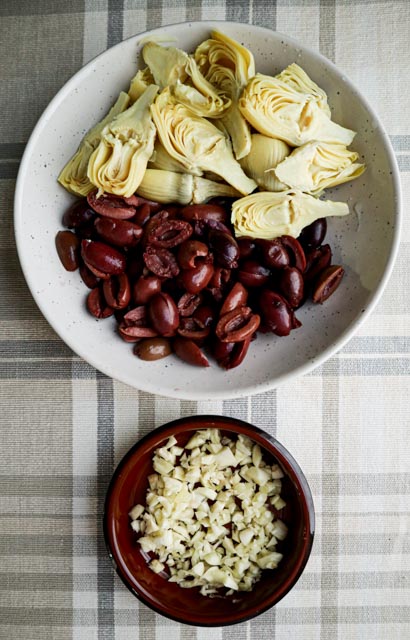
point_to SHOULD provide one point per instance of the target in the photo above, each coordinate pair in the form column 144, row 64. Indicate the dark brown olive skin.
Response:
column 189, row 251
column 205, row 314
column 190, row 352
column 145, row 288
column 237, row 297
column 291, row 285
column 296, row 253
column 247, row 247
column 253, row 274
column 327, row 283
column 78, row 215
column 110, row 206
column 313, row 235
column 225, row 249
column 120, row 233
column 87, row 276
column 163, row 314
column 274, row 254
column 68, row 249
column 194, row 280
column 276, row 313
column 102, row 258
column 194, row 212
column 142, row 215
column 117, row 291
column 152, row 349
column 97, row 305
column 230, row 354
column 317, row 260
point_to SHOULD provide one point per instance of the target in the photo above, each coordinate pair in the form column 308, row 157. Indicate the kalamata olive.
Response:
column 121, row 233
column 161, row 262
column 154, row 221
column 78, row 215
column 277, row 316
column 274, row 254
column 163, row 314
column 189, row 351
column 291, row 285
column 204, row 212
column 169, row 234
column 313, row 235
column 225, row 249
column 139, row 201
column 194, row 280
column 90, row 280
column 68, row 249
column 317, row 260
column 145, row 288
column 296, row 254
column 220, row 277
column 135, row 325
column 189, row 251
column 193, row 329
column 188, row 303
column 153, row 349
column 135, row 264
column 237, row 297
column 230, row 354
column 247, row 247
column 142, row 215
column 117, row 291
column 203, row 227
column 327, row 283
column 205, row 314
column 97, row 305
column 110, row 205
column 237, row 325
column 253, row 274
column 103, row 260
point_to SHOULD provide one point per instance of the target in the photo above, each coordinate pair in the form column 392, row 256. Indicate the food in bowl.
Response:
column 210, row 515
column 187, row 139
column 128, row 488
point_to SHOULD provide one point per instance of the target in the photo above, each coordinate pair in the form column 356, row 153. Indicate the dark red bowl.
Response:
column 128, row 487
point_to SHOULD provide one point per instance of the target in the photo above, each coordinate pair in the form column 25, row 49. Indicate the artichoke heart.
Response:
column 265, row 154
column 228, row 66
column 74, row 175
column 167, row 64
column 318, row 165
column 298, row 79
column 196, row 143
column 278, row 110
column 270, row 215
column 174, row 68
column 183, row 188
column 161, row 159
column 139, row 83
column 119, row 162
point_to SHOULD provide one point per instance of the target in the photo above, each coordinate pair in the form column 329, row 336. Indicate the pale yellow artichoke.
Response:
column 228, row 66
column 169, row 186
column 298, row 79
column 74, row 175
column 196, row 143
column 118, row 163
column 276, row 109
column 271, row 215
column 319, row 165
column 139, row 83
column 265, row 154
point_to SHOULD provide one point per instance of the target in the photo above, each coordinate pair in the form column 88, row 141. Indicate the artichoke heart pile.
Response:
column 196, row 126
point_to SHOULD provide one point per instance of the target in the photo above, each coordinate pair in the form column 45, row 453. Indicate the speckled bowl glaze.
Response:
column 365, row 242
column 129, row 486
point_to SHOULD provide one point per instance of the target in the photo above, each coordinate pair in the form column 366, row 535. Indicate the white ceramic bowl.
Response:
column 365, row 242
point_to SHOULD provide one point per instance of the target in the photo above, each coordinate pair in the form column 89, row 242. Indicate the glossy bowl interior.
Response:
column 128, row 487
column 365, row 242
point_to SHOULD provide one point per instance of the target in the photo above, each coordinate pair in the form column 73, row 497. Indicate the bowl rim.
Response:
column 236, row 425
column 314, row 362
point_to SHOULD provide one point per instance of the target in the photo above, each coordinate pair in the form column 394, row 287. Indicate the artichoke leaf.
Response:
column 270, row 215
column 228, row 65
column 183, row 188
column 167, row 64
column 277, row 110
column 74, row 175
column 161, row 159
column 318, row 165
column 196, row 143
column 118, row 163
column 265, row 154
column 298, row 79
column 142, row 79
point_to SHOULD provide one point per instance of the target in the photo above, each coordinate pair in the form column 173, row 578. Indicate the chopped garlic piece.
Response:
column 209, row 519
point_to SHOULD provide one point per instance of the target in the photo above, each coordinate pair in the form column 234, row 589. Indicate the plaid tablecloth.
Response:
column 64, row 425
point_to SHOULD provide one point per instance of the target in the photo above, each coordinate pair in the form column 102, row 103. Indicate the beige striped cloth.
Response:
column 64, row 426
